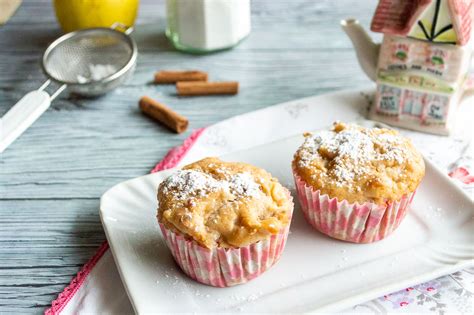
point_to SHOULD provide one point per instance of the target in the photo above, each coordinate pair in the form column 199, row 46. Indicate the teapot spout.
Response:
column 367, row 51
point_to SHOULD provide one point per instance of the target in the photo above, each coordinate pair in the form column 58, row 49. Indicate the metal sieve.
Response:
column 73, row 60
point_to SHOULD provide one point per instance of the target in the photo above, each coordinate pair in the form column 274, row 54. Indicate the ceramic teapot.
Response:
column 422, row 65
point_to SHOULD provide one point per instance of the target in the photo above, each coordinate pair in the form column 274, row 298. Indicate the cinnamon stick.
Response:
column 163, row 114
column 207, row 88
column 165, row 77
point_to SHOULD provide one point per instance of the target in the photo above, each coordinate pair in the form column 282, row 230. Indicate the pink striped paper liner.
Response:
column 224, row 267
column 352, row 222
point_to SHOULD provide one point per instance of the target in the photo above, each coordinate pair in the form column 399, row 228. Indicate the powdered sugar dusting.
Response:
column 243, row 184
column 348, row 151
column 390, row 145
column 350, row 142
column 186, row 184
column 189, row 183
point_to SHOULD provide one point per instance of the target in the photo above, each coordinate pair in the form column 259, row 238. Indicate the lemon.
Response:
column 77, row 14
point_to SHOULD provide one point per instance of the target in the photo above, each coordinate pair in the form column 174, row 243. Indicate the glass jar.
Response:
column 202, row 26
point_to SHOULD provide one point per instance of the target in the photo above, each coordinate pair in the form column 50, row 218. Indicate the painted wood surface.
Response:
column 52, row 177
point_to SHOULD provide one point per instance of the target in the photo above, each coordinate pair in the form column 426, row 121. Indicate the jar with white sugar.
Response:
column 201, row 26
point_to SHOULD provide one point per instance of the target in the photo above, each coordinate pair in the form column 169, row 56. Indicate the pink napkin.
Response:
column 97, row 288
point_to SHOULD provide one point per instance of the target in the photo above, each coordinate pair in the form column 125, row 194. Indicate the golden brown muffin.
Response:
column 223, row 204
column 359, row 164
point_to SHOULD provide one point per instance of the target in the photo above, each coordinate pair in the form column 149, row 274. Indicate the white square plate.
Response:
column 315, row 273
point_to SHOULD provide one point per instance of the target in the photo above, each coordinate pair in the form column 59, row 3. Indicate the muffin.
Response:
column 354, row 183
column 225, row 223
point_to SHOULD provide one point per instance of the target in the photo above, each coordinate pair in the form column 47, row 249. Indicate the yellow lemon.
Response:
column 77, row 14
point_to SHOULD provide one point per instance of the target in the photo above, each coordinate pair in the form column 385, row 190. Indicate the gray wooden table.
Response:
column 52, row 177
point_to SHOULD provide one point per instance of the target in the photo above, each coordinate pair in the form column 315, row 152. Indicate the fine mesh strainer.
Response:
column 88, row 62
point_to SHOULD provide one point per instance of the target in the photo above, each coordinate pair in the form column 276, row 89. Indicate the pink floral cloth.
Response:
column 462, row 174
column 451, row 294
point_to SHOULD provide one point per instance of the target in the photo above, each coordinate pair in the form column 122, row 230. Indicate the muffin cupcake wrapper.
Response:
column 224, row 267
column 353, row 222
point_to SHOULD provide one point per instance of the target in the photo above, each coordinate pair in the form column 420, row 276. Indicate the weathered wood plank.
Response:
column 43, row 243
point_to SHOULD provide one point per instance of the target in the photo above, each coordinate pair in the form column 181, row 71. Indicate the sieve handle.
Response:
column 24, row 113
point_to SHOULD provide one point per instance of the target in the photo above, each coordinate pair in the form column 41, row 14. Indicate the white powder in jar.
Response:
column 208, row 24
